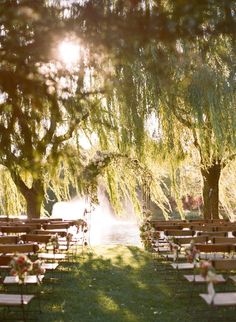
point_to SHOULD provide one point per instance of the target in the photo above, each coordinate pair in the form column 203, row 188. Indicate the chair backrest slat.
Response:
column 226, row 228
column 5, row 260
column 187, row 240
column 224, row 264
column 61, row 233
column 16, row 229
column 9, row 239
column 213, row 233
column 56, row 226
column 214, row 248
column 19, row 248
column 224, row 240
column 179, row 232
column 44, row 239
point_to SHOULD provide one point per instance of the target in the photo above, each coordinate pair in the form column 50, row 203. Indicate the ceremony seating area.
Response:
column 43, row 242
column 198, row 246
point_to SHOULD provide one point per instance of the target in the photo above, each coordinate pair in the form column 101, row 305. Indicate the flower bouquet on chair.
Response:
column 174, row 248
column 38, row 270
column 192, row 253
column 20, row 265
column 208, row 272
column 54, row 240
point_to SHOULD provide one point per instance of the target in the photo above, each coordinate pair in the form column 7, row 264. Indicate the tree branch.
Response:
column 18, row 181
column 230, row 158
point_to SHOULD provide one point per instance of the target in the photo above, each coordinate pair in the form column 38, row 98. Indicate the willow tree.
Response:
column 152, row 75
column 192, row 94
column 197, row 108
column 44, row 101
column 43, row 104
column 210, row 98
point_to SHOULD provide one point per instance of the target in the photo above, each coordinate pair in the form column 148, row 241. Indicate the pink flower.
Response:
column 205, row 267
column 20, row 260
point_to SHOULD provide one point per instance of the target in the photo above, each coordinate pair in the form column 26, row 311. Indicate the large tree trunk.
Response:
column 211, row 177
column 34, row 196
column 34, row 199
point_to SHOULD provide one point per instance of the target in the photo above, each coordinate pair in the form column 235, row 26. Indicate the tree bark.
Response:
column 211, row 177
column 50, row 202
column 34, row 197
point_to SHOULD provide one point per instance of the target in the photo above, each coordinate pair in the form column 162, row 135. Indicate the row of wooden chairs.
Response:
column 217, row 225
column 30, row 237
column 17, row 219
column 10, row 245
column 20, row 300
column 225, row 247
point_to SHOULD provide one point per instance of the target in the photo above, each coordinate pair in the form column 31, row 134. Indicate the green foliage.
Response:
column 11, row 201
column 138, row 58
column 147, row 231
column 44, row 104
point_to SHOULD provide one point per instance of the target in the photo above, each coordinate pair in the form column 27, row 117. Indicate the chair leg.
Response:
column 22, row 303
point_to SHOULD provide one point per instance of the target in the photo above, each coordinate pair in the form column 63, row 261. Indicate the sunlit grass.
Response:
column 122, row 284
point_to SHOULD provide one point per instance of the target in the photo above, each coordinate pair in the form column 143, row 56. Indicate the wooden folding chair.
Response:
column 226, row 265
column 43, row 239
column 213, row 251
column 16, row 300
column 197, row 278
column 17, row 229
column 200, row 279
column 19, row 248
column 220, row 299
column 29, row 280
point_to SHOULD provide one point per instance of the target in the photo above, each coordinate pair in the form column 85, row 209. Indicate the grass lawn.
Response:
column 123, row 283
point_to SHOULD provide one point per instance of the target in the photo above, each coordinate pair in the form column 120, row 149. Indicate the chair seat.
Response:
column 61, row 247
column 184, row 265
column 172, row 256
column 50, row 266
column 162, row 249
column 220, row 299
column 4, row 267
column 211, row 256
column 29, row 279
column 201, row 279
column 51, row 256
column 15, row 299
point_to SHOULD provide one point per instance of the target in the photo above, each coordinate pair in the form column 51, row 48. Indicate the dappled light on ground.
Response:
column 123, row 284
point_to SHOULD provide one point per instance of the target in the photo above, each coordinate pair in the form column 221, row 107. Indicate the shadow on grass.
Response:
column 122, row 284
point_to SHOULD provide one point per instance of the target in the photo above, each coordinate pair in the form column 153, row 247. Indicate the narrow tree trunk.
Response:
column 211, row 177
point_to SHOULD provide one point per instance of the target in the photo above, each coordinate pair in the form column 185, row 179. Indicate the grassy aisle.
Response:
column 123, row 284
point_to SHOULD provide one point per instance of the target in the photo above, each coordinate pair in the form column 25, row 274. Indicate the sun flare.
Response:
column 69, row 52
